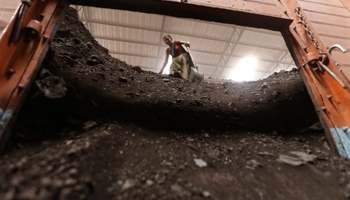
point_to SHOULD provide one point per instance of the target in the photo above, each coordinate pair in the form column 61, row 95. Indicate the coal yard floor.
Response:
column 94, row 127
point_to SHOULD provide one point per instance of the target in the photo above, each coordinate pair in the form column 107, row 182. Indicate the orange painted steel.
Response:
column 332, row 101
column 19, row 62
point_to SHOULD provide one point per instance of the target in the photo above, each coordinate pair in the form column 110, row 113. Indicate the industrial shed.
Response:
column 85, row 114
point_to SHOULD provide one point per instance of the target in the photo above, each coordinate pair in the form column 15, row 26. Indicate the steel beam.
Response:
column 160, row 41
column 279, row 60
column 232, row 49
column 224, row 58
column 86, row 18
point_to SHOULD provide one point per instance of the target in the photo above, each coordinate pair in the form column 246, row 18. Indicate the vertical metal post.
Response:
column 86, row 18
column 160, row 43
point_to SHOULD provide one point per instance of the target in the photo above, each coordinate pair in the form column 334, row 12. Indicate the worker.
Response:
column 180, row 67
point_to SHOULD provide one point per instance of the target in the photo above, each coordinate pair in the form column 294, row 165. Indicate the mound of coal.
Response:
column 116, row 90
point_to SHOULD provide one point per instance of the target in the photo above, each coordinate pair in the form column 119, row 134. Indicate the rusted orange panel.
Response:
column 297, row 53
column 282, row 9
column 324, row 2
column 340, row 57
column 328, row 19
column 346, row 4
column 335, row 31
column 346, row 71
column 328, row 41
column 53, row 12
column 6, row 16
column 6, row 4
column 263, row 1
column 331, row 21
column 333, row 96
column 9, row 61
column 7, row 9
column 247, row 6
column 3, row 24
column 18, row 72
column 332, row 10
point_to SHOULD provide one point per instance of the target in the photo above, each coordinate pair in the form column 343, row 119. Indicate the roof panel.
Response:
column 207, row 58
column 198, row 28
column 263, row 66
column 125, row 18
column 129, row 48
column 289, row 58
column 263, row 40
column 285, row 67
column 200, row 44
column 233, row 62
column 122, row 33
column 207, row 70
column 162, row 52
column 257, row 52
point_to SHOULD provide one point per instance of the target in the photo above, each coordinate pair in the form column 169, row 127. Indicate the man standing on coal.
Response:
column 180, row 67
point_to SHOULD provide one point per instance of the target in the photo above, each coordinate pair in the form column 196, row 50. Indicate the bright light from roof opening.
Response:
column 166, row 69
column 245, row 70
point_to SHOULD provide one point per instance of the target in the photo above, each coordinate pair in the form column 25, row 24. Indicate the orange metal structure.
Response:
column 305, row 24
column 331, row 98
column 20, row 61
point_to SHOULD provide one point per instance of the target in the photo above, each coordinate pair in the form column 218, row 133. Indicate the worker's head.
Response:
column 167, row 39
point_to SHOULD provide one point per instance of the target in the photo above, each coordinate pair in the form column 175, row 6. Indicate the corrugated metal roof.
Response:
column 271, row 40
column 124, row 18
column 257, row 52
column 202, row 44
column 264, row 66
column 136, row 38
column 197, row 28
column 121, row 47
column 122, row 33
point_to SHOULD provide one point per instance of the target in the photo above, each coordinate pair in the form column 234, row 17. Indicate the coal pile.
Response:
column 124, row 92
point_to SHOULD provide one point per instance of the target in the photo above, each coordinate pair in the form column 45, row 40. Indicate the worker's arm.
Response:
column 164, row 63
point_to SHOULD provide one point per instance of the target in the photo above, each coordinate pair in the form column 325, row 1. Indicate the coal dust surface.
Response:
column 94, row 127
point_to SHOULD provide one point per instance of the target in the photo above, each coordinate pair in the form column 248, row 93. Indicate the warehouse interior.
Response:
column 220, row 49
column 100, row 122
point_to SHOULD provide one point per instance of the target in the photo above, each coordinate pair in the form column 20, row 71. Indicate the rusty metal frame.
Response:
column 331, row 100
column 20, row 61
